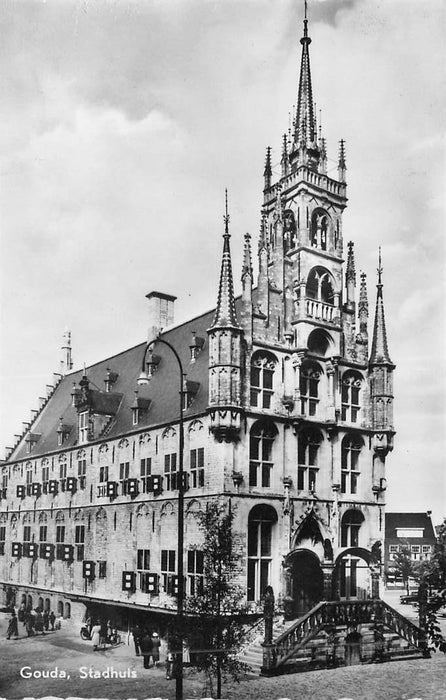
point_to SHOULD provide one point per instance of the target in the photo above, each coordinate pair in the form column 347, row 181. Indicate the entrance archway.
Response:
column 352, row 576
column 306, row 581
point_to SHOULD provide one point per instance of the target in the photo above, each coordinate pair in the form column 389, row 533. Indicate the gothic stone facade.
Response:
column 288, row 416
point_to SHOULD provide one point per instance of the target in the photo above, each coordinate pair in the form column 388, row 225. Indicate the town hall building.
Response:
column 286, row 401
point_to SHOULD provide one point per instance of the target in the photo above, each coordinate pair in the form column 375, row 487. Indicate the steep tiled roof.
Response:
column 162, row 391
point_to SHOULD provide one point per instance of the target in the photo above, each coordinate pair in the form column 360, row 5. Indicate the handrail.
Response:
column 327, row 614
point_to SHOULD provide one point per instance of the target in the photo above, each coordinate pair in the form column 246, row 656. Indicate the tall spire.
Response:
column 363, row 305
column 305, row 129
column 225, row 315
column 380, row 352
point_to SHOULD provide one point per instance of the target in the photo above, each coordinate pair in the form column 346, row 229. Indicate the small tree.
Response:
column 404, row 566
column 432, row 577
column 218, row 608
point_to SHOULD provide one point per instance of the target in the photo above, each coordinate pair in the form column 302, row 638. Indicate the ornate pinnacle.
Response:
column 247, row 264
column 350, row 272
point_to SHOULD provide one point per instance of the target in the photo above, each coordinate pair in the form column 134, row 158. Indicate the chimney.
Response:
column 160, row 313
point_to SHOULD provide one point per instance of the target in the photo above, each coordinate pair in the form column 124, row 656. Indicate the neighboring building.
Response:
column 288, row 416
column 404, row 532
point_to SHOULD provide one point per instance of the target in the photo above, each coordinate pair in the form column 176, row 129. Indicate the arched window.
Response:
column 308, row 451
column 350, row 396
column 263, row 365
column 260, row 545
column 319, row 229
column 289, row 233
column 350, row 526
column 350, row 451
column 310, row 373
column 320, row 285
column 260, row 453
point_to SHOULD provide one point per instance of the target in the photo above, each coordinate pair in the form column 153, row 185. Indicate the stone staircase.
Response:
column 318, row 639
column 252, row 655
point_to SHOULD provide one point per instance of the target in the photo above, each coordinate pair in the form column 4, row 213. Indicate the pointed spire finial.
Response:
column 380, row 351
column 225, row 314
column 379, row 269
column 226, row 215
column 267, row 172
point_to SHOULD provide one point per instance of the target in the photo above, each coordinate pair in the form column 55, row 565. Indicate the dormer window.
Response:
column 84, row 426
column 31, row 439
column 196, row 346
column 62, row 432
column 140, row 408
column 190, row 390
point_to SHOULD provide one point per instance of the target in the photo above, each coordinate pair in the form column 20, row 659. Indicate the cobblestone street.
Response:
column 64, row 650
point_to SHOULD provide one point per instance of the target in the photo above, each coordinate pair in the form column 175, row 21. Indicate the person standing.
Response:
column 38, row 623
column 13, row 629
column 146, row 648
column 29, row 624
column 52, row 620
column 46, row 620
column 156, row 643
column 137, row 634
column 95, row 635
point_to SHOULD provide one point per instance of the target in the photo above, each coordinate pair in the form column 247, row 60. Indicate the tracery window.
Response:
column 350, row 396
column 309, row 388
column 351, row 524
column 260, row 544
column 309, row 442
column 350, row 452
column 262, row 379
column 261, row 453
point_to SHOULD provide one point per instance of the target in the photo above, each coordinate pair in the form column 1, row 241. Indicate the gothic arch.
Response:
column 320, row 285
column 60, row 517
column 320, row 229
column 81, row 454
column 196, row 426
column 309, row 529
column 193, row 507
column 167, row 509
column 43, row 517
column 320, row 342
column 144, row 439
column 168, row 433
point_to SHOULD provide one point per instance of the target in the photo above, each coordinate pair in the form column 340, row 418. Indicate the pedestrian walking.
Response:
column 38, row 621
column 29, row 624
column 156, row 643
column 146, row 648
column 96, row 635
column 103, row 633
column 13, row 630
column 52, row 620
column 46, row 621
column 137, row 634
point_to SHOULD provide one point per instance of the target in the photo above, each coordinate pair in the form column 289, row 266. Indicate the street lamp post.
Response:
column 144, row 378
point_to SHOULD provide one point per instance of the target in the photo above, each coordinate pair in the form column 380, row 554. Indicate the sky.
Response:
column 123, row 121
